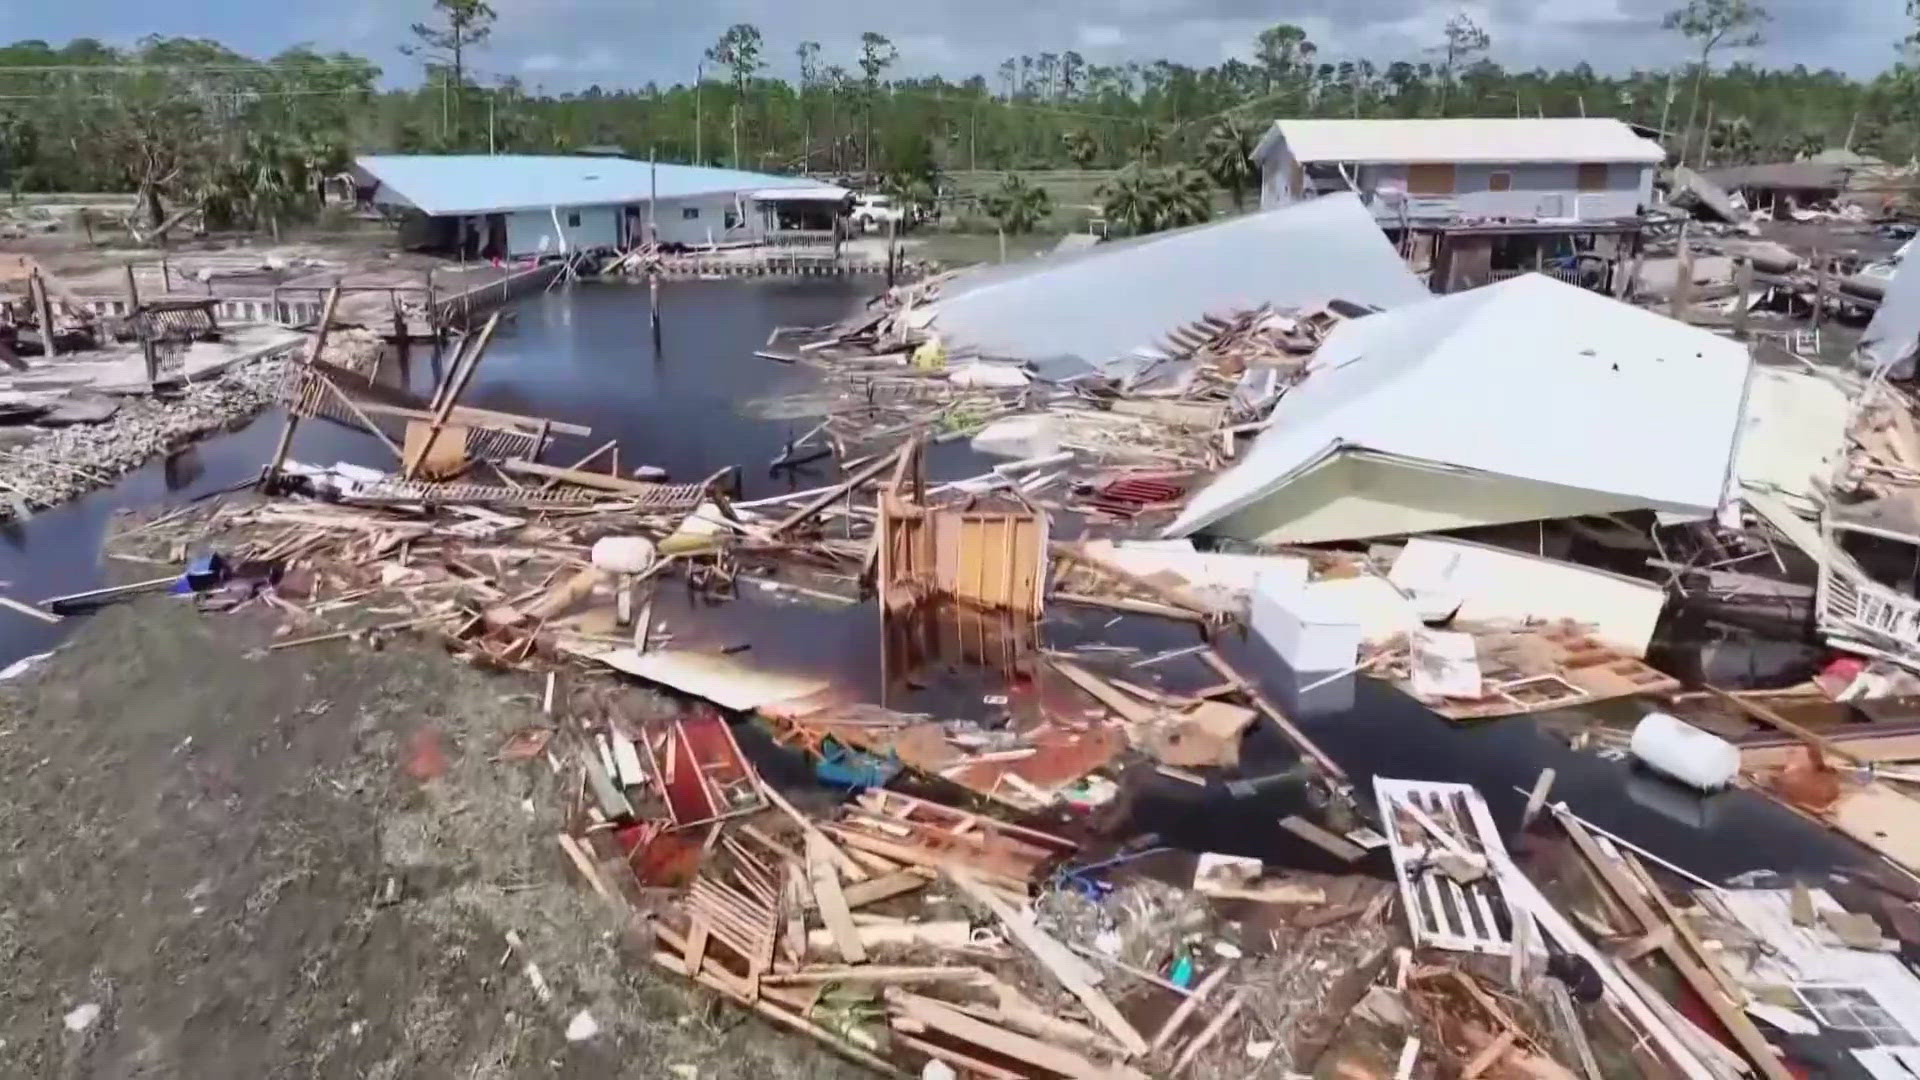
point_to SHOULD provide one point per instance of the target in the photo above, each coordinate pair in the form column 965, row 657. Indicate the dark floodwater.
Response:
column 585, row 355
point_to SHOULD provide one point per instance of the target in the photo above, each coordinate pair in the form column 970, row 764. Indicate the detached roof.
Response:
column 1491, row 141
column 1117, row 298
column 1531, row 379
column 1799, row 175
column 439, row 185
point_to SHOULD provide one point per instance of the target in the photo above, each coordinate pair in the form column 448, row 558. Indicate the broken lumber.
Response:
column 1209, row 1033
column 449, row 395
column 1187, row 1007
column 832, row 903
column 1071, row 971
column 944, row 1018
column 579, row 478
column 827, row 498
column 1294, row 734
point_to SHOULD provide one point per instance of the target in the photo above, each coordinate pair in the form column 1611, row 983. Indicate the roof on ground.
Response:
column 1112, row 299
column 1487, row 140
column 1531, row 378
column 1840, row 155
column 1806, row 175
column 439, row 185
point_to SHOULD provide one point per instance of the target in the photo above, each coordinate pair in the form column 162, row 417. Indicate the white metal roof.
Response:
column 443, row 184
column 1112, row 299
column 1488, row 141
column 1531, row 379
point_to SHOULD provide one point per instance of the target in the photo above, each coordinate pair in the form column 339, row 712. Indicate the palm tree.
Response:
column 1081, row 146
column 1185, row 197
column 1148, row 200
column 275, row 172
column 1226, row 155
column 1127, row 201
column 1017, row 206
column 1152, row 140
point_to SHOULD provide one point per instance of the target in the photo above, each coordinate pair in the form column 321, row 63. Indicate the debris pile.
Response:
column 1133, row 611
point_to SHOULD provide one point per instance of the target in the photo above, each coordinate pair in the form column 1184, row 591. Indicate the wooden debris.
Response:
column 832, row 904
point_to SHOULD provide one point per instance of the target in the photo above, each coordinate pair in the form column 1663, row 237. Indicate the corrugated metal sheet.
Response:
column 1463, row 140
column 1890, row 341
column 1116, row 298
column 439, row 185
column 1531, row 379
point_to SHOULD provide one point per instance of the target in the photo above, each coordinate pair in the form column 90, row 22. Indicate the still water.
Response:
column 701, row 402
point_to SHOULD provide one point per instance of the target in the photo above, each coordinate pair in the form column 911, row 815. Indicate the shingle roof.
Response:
column 1488, row 140
column 491, row 183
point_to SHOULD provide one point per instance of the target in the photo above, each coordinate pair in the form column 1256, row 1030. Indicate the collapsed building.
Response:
column 1267, row 468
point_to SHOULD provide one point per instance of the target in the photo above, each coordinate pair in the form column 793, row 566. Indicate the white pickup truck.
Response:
column 874, row 212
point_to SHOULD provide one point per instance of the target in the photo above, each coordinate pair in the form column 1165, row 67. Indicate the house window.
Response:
column 1593, row 176
column 573, row 220
column 1500, row 181
column 689, row 213
column 1853, row 1008
column 732, row 220
column 1430, row 179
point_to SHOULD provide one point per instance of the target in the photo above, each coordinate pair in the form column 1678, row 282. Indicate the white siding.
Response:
column 1535, row 191
column 1275, row 169
column 708, row 225
column 532, row 232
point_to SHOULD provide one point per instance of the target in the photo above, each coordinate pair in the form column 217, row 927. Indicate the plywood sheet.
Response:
column 718, row 679
column 449, row 453
column 1883, row 819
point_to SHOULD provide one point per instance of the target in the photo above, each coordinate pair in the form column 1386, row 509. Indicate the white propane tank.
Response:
column 1675, row 748
column 623, row 554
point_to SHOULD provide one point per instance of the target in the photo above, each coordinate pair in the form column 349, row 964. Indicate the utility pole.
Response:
column 736, row 133
column 973, row 131
column 699, row 77
column 490, row 148
column 1667, row 107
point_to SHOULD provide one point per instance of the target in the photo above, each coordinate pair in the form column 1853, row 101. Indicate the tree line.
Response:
column 191, row 123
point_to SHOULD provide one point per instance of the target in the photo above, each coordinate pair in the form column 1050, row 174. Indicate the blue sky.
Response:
column 568, row 44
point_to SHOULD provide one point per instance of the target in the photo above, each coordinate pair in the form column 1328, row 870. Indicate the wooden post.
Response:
column 1743, row 284
column 314, row 347
column 133, row 293
column 892, row 231
column 456, row 385
column 1682, row 297
column 1819, row 283
column 37, row 288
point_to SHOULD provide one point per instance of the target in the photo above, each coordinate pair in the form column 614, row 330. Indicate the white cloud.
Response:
column 1100, row 36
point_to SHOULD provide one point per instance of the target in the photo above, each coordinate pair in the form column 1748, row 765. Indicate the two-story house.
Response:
column 1476, row 200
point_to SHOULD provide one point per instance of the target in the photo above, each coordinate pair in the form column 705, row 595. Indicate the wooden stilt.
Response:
column 314, row 348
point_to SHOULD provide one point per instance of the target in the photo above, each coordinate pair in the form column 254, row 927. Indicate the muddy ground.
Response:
column 230, row 852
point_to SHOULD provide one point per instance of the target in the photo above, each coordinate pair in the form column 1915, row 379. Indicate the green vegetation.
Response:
column 188, row 123
column 1017, row 206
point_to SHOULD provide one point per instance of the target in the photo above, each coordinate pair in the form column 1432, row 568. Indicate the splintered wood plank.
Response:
column 872, row 892
column 944, row 1018
column 833, row 903
column 1339, row 847
column 1071, row 971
